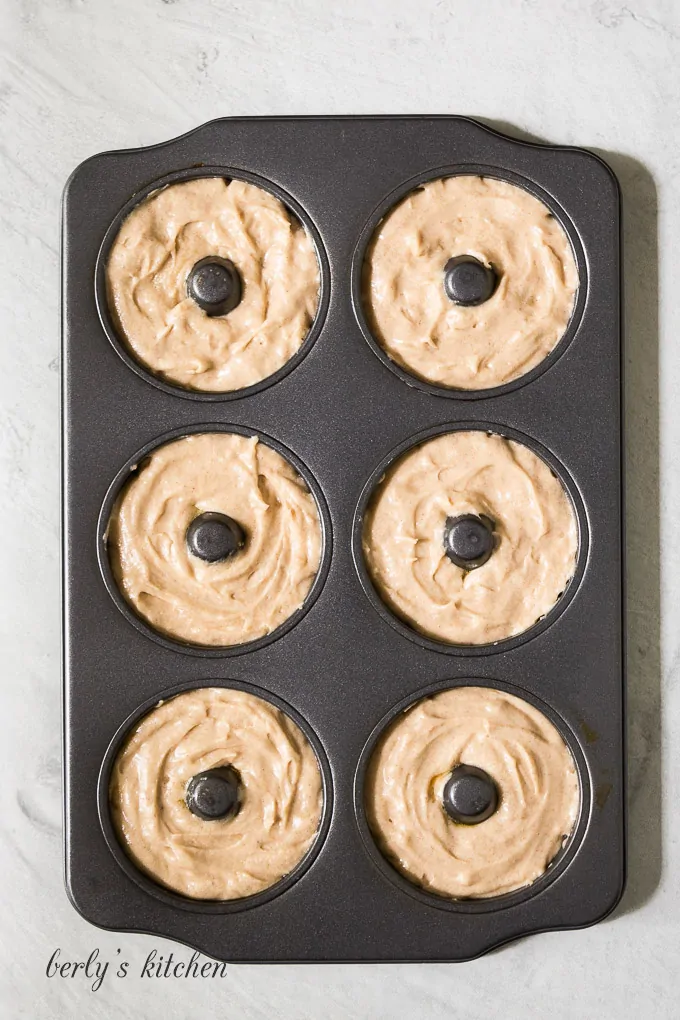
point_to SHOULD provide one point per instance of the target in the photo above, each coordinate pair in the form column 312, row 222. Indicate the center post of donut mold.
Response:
column 470, row 795
column 214, row 284
column 214, row 795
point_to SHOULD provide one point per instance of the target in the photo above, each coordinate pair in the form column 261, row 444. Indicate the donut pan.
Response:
column 344, row 666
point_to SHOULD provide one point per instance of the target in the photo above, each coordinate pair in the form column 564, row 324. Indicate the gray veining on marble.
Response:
column 79, row 76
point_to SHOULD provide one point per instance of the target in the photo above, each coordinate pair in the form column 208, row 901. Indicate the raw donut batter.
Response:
column 503, row 227
column 470, row 472
column 513, row 743
column 240, row 598
column 158, row 245
column 280, row 799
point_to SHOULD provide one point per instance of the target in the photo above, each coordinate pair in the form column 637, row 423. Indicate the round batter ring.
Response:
column 400, row 624
column 559, row 864
column 358, row 270
column 118, row 342
column 138, row 622
column 164, row 894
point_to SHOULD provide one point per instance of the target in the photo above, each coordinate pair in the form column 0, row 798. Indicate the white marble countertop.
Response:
column 79, row 76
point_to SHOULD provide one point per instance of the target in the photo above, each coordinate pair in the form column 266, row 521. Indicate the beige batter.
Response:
column 502, row 226
column 158, row 245
column 281, row 794
column 243, row 597
column 470, row 472
column 512, row 742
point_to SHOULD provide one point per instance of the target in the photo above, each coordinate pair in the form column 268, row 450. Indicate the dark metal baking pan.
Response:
column 343, row 410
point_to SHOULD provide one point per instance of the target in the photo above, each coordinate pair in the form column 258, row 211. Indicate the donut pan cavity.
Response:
column 192, row 173
column 341, row 667
column 127, row 474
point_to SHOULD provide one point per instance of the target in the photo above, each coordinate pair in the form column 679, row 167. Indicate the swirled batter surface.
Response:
column 470, row 472
column 156, row 249
column 240, row 598
column 505, row 228
column 512, row 742
column 281, row 794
